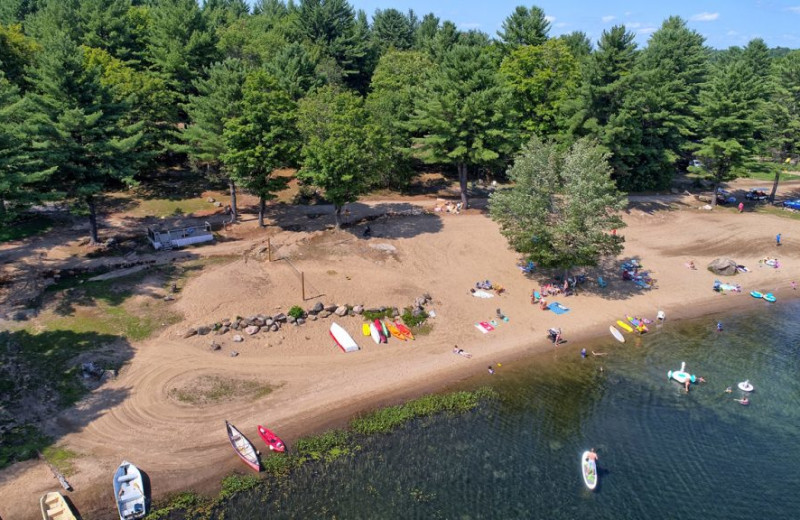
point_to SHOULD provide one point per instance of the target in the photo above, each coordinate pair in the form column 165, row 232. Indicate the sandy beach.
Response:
column 183, row 446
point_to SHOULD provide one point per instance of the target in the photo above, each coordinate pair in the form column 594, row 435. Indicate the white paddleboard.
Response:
column 373, row 331
column 617, row 334
column 589, row 471
column 342, row 338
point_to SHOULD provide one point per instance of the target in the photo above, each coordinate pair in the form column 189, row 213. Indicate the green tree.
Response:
column 561, row 206
column 342, row 150
column 543, row 78
column 579, row 45
column 179, row 44
column 22, row 169
column 17, row 51
column 462, row 115
column 729, row 105
column 105, row 25
column 295, row 69
column 658, row 120
column 393, row 29
column 89, row 143
column 524, row 27
column 783, row 131
column 399, row 80
column 262, row 139
column 218, row 99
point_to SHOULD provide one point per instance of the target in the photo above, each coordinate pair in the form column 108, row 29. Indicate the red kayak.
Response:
column 272, row 440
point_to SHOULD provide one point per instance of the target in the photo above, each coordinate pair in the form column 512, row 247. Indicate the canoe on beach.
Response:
column 243, row 447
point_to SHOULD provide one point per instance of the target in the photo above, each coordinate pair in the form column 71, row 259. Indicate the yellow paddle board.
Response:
column 365, row 329
column 624, row 325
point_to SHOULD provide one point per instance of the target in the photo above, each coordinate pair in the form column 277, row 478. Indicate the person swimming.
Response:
column 744, row 401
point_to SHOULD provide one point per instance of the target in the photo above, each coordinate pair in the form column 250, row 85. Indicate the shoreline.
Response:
column 318, row 388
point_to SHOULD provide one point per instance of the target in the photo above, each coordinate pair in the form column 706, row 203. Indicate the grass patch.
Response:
column 777, row 210
column 234, row 484
column 423, row 329
column 214, row 389
column 186, row 501
column 168, row 207
column 328, row 446
column 61, row 459
column 388, row 419
column 377, row 315
column 21, row 443
column 411, row 320
column 25, row 227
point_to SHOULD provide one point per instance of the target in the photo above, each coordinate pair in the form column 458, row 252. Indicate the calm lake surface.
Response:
column 662, row 453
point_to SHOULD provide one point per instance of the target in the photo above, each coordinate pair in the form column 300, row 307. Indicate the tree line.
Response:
column 95, row 92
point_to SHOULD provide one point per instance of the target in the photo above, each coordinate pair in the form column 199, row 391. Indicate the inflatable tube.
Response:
column 745, row 386
column 756, row 294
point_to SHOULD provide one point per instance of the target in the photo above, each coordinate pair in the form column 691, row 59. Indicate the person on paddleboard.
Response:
column 592, row 455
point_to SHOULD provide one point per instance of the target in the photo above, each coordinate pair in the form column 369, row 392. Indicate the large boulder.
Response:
column 723, row 266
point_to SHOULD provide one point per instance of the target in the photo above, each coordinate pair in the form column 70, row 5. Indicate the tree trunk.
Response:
column 262, row 208
column 462, row 180
column 93, row 239
column 714, row 196
column 775, row 186
column 337, row 215
column 234, row 210
column 2, row 211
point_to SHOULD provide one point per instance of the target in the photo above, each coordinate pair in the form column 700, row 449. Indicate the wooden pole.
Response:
column 269, row 251
column 303, row 284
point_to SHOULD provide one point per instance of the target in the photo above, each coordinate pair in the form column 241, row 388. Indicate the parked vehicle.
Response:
column 757, row 194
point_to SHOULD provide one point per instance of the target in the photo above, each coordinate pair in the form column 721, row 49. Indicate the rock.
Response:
column 386, row 248
column 723, row 266
column 358, row 309
column 324, row 314
column 236, row 325
column 238, row 338
column 291, row 319
column 373, row 310
column 318, row 307
column 252, row 329
column 274, row 327
column 234, row 353
column 203, row 330
column 331, row 307
column 279, row 317
column 189, row 333
column 211, row 200
column 417, row 312
column 341, row 310
column 215, row 346
column 269, row 322
column 301, row 321
column 427, row 297
column 707, row 207
column 224, row 330
column 258, row 322
column 218, row 204
column 395, row 312
column 168, row 298
column 108, row 375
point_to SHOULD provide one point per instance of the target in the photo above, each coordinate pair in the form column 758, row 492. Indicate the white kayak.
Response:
column 373, row 331
column 617, row 334
column 588, row 470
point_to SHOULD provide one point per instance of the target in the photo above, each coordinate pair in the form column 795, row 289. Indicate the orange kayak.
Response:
column 394, row 332
column 404, row 330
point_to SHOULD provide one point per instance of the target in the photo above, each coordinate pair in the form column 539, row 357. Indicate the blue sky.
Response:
column 723, row 23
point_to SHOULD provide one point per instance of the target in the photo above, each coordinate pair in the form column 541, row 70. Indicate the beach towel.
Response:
column 480, row 328
column 557, row 308
column 482, row 294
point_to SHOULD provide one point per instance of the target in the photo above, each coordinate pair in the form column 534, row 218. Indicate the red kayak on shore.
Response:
column 271, row 440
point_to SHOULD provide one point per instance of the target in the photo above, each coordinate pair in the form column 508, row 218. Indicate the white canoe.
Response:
column 589, row 471
column 373, row 331
column 129, row 491
column 55, row 507
column 617, row 334
column 343, row 339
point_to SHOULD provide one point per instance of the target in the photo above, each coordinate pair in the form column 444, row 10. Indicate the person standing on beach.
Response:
column 491, row 370
column 778, row 239
column 741, row 207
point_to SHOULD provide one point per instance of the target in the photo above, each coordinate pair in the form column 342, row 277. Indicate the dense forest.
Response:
column 94, row 93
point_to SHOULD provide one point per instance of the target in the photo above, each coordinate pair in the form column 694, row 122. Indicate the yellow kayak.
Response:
column 405, row 331
column 624, row 325
column 365, row 329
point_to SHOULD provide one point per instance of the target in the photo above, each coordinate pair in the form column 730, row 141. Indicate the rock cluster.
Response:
column 262, row 323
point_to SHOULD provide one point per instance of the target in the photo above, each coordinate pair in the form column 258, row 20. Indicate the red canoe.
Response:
column 272, row 440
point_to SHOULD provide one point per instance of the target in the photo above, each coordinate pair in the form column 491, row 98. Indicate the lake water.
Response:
column 662, row 453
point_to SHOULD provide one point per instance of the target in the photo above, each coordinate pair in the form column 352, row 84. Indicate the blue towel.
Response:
column 557, row 308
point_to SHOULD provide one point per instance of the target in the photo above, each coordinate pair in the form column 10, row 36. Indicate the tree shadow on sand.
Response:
column 385, row 220
column 41, row 375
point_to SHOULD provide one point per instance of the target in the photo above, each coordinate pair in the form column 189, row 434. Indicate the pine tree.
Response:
column 462, row 115
column 263, row 138
column 393, row 29
column 524, row 27
column 729, row 105
column 88, row 142
column 218, row 99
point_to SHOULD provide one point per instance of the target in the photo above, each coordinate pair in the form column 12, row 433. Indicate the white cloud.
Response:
column 634, row 25
column 550, row 19
column 608, row 18
column 560, row 24
column 795, row 9
column 704, row 17
column 646, row 30
column 469, row 25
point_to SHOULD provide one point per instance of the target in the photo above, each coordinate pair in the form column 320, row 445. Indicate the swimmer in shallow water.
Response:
column 745, row 401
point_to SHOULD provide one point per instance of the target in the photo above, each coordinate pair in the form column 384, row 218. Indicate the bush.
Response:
column 411, row 320
column 377, row 315
column 296, row 312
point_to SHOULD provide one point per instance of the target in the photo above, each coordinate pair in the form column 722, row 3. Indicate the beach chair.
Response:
column 528, row 268
column 601, row 283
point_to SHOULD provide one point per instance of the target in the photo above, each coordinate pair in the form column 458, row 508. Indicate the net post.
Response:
column 303, row 285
